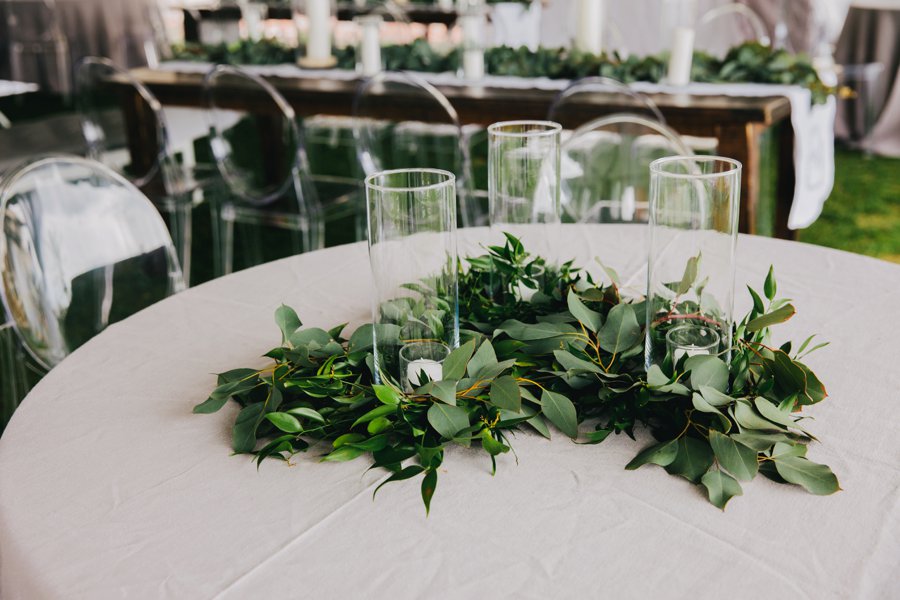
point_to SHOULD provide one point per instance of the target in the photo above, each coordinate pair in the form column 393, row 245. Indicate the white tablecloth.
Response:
column 111, row 488
column 813, row 125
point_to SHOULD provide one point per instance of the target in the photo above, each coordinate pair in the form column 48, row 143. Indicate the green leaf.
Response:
column 307, row 413
column 243, row 434
column 694, row 458
column 570, row 362
column 429, row 484
column 490, row 445
column 759, row 441
column 702, row 405
column 387, row 395
column 363, row 338
column 662, row 454
column 773, row 318
column 518, row 330
column 721, row 488
column 285, row 422
column 770, row 287
column 714, row 397
column 772, row 413
column 505, row 394
column 343, row 454
column 748, row 418
column 595, row 437
column 347, row 438
column 621, row 330
column 707, row 370
column 454, row 366
column 484, row 358
column 210, row 405
column 405, row 473
column 758, row 305
column 447, row 420
column 378, row 425
column 734, row 457
column 560, row 411
column 813, row 477
column 288, row 322
column 445, row 391
column 690, row 275
column 587, row 317
column 379, row 411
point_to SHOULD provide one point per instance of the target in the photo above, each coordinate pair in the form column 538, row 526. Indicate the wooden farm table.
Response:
column 737, row 122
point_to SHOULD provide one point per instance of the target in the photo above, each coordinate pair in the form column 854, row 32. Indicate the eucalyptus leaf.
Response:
column 288, row 322
column 694, row 458
column 560, row 411
column 587, row 317
column 813, row 477
column 505, row 394
column 447, row 420
column 706, row 370
column 621, row 330
column 662, row 454
column 721, row 487
column 455, row 363
column 734, row 457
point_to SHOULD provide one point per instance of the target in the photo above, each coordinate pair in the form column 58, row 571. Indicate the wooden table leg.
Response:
column 787, row 179
column 741, row 142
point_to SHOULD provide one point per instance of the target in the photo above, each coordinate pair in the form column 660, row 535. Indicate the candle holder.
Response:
column 316, row 15
column 412, row 250
column 421, row 362
column 368, row 47
column 694, row 205
column 691, row 340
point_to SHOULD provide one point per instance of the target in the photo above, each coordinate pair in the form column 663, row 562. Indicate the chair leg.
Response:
column 182, row 227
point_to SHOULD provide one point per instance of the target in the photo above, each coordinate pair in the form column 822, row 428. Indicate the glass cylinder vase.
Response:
column 694, row 208
column 412, row 249
column 523, row 181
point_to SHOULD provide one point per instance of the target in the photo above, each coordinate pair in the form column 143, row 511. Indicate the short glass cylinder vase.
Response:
column 694, row 208
column 412, row 250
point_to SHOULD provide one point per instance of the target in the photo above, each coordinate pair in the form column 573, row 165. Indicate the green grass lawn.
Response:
column 863, row 213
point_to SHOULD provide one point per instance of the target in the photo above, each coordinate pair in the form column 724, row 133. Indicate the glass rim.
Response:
column 370, row 180
column 715, row 336
column 656, row 167
column 550, row 128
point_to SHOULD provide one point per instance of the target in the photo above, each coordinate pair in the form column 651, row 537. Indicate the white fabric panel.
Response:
column 111, row 488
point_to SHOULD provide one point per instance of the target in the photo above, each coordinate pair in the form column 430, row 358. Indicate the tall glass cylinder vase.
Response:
column 694, row 208
column 523, row 182
column 412, row 249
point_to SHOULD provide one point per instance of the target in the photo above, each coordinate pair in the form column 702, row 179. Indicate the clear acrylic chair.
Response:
column 605, row 168
column 261, row 157
column 168, row 177
column 428, row 135
column 38, row 49
column 614, row 91
column 722, row 27
column 80, row 248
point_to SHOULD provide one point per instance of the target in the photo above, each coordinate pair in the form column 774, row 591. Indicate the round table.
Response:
column 110, row 487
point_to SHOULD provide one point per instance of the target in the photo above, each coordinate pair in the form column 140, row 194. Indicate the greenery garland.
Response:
column 750, row 62
column 570, row 356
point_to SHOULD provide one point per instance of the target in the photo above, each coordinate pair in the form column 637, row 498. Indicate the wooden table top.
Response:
column 478, row 105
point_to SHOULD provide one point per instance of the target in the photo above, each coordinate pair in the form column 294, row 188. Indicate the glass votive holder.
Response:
column 421, row 362
column 690, row 339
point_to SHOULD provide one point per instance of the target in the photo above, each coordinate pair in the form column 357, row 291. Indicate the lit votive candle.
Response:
column 692, row 340
column 417, row 358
